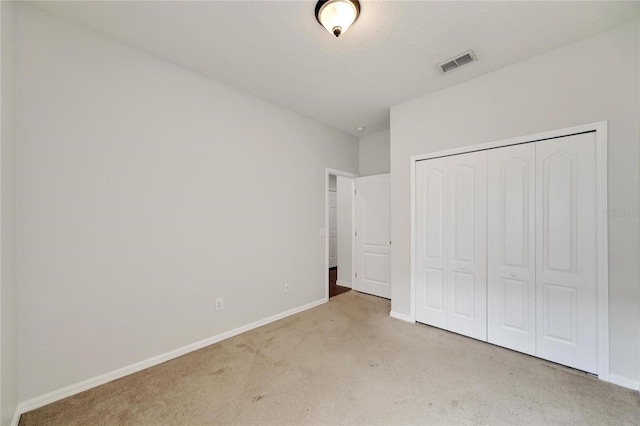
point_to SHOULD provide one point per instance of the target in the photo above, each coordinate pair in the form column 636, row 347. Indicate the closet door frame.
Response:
column 602, row 255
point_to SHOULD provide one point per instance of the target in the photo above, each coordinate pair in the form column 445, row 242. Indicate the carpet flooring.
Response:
column 347, row 362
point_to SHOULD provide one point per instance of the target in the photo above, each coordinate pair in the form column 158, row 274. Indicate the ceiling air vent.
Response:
column 458, row 61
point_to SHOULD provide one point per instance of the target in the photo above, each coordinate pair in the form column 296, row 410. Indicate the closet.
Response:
column 505, row 247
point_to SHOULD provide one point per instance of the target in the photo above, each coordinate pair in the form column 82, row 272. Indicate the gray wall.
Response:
column 374, row 153
column 588, row 81
column 143, row 195
column 8, row 249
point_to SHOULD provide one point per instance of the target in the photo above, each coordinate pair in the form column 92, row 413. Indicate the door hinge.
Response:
column 356, row 233
column 356, row 275
column 355, row 192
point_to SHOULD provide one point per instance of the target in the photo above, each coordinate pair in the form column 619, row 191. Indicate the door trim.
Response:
column 328, row 171
column 602, row 261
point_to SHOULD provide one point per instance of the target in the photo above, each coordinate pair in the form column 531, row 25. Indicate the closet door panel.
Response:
column 511, row 248
column 431, row 262
column 466, row 189
column 566, row 251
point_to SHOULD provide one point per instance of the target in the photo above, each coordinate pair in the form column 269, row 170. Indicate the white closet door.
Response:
column 431, row 260
column 566, row 251
column 511, row 248
column 373, row 254
column 466, row 225
column 333, row 229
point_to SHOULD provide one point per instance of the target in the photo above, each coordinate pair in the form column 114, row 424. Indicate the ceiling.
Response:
column 277, row 51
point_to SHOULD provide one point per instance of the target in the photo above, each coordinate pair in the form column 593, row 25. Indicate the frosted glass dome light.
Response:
column 337, row 15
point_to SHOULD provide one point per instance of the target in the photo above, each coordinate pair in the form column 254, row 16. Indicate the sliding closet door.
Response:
column 466, row 227
column 451, row 218
column 511, row 248
column 566, row 251
column 431, row 260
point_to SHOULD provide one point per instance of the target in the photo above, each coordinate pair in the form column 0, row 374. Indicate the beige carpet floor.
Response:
column 347, row 362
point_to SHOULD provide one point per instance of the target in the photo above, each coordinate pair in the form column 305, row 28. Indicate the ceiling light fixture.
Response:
column 337, row 15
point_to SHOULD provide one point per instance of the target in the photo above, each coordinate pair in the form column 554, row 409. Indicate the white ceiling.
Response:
column 277, row 51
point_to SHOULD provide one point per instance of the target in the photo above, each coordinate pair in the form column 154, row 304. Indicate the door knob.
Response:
column 464, row 268
column 513, row 274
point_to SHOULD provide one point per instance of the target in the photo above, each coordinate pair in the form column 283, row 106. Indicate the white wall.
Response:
column 374, row 154
column 8, row 248
column 146, row 191
column 591, row 80
column 345, row 231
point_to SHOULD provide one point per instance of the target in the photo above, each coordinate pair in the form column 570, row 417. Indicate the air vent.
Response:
column 458, row 61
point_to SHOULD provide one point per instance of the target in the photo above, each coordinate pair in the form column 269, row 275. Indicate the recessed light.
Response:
column 360, row 129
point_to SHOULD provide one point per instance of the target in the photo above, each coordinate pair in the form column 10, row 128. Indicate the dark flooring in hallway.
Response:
column 334, row 289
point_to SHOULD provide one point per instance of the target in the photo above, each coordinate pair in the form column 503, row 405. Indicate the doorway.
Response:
column 339, row 235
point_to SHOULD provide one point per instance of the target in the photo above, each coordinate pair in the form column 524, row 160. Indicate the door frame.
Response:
column 328, row 171
column 602, row 254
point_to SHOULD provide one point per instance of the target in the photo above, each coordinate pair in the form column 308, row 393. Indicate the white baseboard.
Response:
column 67, row 391
column 400, row 316
column 624, row 382
column 343, row 283
column 16, row 418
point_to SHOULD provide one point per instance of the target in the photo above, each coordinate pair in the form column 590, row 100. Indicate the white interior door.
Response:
column 431, row 248
column 373, row 254
column 333, row 229
column 511, row 248
column 566, row 311
column 466, row 224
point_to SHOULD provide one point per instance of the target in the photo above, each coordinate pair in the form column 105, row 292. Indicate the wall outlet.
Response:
column 219, row 304
column 287, row 287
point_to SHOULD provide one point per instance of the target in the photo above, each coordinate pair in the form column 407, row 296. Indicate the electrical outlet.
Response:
column 219, row 304
column 287, row 287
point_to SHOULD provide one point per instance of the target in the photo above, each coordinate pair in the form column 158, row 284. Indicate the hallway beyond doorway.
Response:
column 335, row 289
